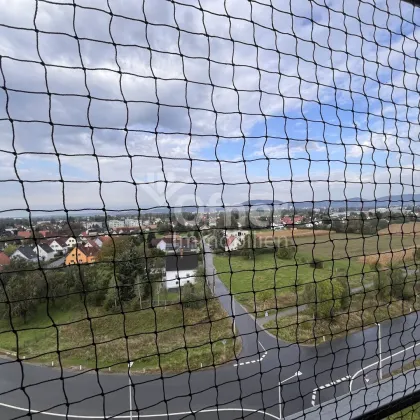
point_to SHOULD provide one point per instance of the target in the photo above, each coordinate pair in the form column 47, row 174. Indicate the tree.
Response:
column 97, row 283
column 150, row 237
column 345, row 299
column 58, row 285
column 10, row 249
column 285, row 251
column 316, row 263
column 21, row 291
column 193, row 295
column 324, row 297
column 219, row 239
column 133, row 270
column 392, row 283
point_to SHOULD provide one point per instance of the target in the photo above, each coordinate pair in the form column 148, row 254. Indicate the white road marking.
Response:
column 377, row 362
column 259, row 360
column 336, row 382
column 183, row 413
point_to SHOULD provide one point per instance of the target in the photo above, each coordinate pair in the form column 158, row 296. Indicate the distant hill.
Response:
column 261, row 202
column 355, row 202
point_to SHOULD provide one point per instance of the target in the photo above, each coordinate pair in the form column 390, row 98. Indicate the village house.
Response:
column 180, row 269
column 26, row 253
column 232, row 243
column 24, row 234
column 82, row 255
column 169, row 244
column 59, row 245
column 44, row 251
column 70, row 242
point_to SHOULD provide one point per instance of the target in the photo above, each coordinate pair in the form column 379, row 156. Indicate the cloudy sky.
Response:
column 141, row 103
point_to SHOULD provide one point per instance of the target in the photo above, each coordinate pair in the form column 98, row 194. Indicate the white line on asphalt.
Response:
column 375, row 363
column 336, row 382
column 183, row 413
column 260, row 359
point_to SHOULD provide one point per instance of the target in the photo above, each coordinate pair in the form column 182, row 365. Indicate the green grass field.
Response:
column 409, row 413
column 343, row 246
column 255, row 283
column 155, row 337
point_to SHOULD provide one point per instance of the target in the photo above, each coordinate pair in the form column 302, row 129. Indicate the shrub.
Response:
column 324, row 297
column 317, row 263
column 285, row 251
column 192, row 295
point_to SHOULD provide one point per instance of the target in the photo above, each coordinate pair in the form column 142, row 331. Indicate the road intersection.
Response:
column 247, row 387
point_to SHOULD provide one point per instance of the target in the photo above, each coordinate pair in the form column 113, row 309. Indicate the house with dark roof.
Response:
column 180, row 269
column 26, row 253
column 90, row 243
column 82, row 255
column 171, row 245
column 44, row 251
column 58, row 244
column 100, row 240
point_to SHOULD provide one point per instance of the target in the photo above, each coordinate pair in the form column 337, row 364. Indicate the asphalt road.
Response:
column 248, row 387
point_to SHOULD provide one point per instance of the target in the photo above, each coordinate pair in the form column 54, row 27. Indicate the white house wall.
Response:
column 184, row 276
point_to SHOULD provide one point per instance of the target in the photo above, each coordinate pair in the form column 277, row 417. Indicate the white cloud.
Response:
column 315, row 73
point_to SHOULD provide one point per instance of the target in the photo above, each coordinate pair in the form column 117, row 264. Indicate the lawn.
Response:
column 256, row 282
column 344, row 246
column 409, row 413
column 173, row 338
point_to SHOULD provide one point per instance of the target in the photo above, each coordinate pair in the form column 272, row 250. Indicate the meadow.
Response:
column 268, row 283
column 172, row 338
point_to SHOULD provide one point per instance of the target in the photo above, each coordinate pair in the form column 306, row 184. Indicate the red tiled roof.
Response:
column 92, row 243
column 24, row 234
column 90, row 252
column 61, row 241
column 4, row 259
column 230, row 240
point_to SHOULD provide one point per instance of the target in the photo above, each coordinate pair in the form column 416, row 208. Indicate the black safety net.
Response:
column 208, row 209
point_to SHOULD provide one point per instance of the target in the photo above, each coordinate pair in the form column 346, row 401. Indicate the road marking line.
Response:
column 336, row 382
column 183, row 413
column 260, row 359
column 377, row 362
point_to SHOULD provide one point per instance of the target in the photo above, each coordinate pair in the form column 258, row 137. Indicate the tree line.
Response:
column 127, row 272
